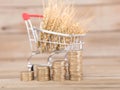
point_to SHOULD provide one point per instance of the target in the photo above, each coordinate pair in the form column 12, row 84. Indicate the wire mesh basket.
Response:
column 46, row 41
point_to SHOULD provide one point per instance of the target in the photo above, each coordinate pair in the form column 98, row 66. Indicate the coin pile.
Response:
column 75, row 65
column 43, row 73
column 27, row 76
column 58, row 70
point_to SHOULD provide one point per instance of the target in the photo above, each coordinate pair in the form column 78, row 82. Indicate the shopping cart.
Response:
column 68, row 42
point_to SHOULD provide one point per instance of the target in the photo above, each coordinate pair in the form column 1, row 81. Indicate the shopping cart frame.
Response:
column 34, row 38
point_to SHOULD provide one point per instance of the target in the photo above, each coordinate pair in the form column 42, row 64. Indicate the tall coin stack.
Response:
column 27, row 76
column 75, row 65
column 43, row 73
column 58, row 70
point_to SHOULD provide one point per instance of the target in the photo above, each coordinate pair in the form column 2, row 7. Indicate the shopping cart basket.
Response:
column 68, row 42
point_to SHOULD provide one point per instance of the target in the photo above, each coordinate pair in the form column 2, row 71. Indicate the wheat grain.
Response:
column 60, row 17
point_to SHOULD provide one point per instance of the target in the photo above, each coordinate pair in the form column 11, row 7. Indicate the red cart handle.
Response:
column 27, row 16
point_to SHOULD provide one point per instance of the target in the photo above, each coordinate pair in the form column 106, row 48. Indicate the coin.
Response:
column 59, row 70
column 58, row 64
column 27, row 76
column 75, row 65
column 43, row 73
column 76, row 79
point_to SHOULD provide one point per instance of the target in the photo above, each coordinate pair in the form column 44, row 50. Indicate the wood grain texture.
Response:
column 105, row 18
column 102, row 44
column 98, row 73
column 101, row 63
column 39, row 2
column 96, row 45
column 93, row 68
column 15, row 84
column 14, row 23
column 20, row 2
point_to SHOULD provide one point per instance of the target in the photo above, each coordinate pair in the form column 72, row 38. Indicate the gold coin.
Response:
column 75, row 65
column 27, row 76
column 75, row 71
column 43, row 73
column 59, row 79
column 59, row 64
column 76, row 79
column 75, row 56
column 54, row 73
column 76, row 74
column 43, row 67
column 58, row 70
column 63, row 73
column 43, row 79
column 57, row 75
column 74, row 52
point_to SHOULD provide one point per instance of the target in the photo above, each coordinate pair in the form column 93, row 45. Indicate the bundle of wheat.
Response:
column 59, row 17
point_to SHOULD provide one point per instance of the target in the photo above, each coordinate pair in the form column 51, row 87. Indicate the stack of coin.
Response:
column 27, row 76
column 43, row 73
column 58, row 70
column 75, row 65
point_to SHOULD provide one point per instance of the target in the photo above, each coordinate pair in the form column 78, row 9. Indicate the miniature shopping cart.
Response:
column 34, row 35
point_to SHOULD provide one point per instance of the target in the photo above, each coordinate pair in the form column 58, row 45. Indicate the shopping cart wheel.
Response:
column 30, row 67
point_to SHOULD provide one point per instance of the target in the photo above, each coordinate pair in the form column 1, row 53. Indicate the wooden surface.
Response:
column 15, row 84
column 93, row 68
column 106, row 17
column 101, row 65
column 98, row 74
column 99, row 44
column 101, row 41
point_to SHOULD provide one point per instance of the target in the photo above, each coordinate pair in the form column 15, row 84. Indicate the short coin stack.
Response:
column 59, row 70
column 27, row 76
column 75, row 65
column 43, row 73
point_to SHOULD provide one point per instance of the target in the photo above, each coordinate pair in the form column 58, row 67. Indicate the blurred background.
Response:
column 102, row 43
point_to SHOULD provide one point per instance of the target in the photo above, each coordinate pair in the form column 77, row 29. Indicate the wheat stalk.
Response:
column 59, row 17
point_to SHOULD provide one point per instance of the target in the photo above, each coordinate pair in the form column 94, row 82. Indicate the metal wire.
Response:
column 69, row 41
